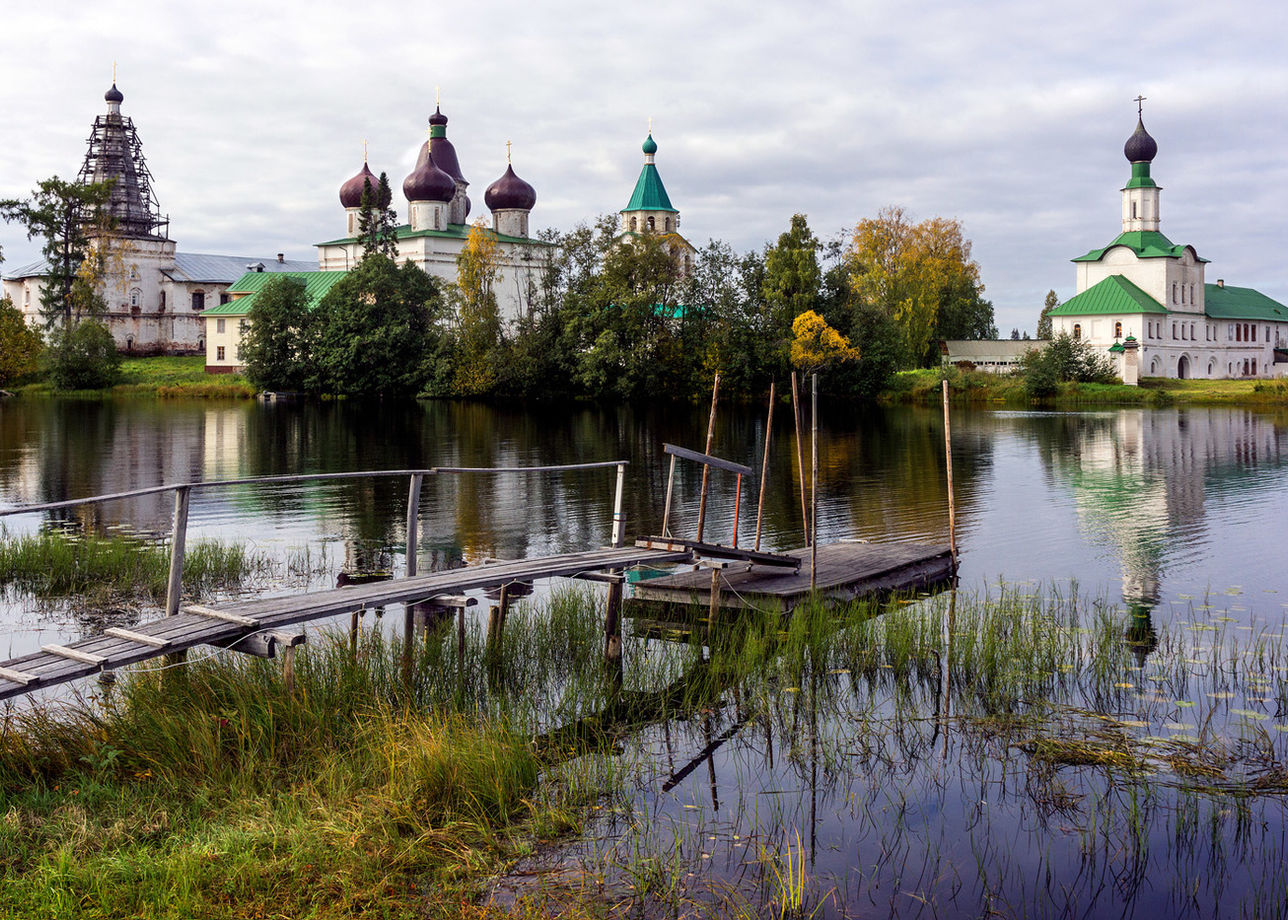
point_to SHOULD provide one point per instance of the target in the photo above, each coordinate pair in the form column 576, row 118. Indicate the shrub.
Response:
column 1065, row 359
column 83, row 357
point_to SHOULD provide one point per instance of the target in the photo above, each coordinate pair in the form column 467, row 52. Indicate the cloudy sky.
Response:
column 1009, row 116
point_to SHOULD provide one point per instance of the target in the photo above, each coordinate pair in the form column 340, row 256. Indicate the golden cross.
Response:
column 114, row 73
column 1138, row 100
column 650, row 126
column 364, row 152
column 507, row 152
column 435, row 97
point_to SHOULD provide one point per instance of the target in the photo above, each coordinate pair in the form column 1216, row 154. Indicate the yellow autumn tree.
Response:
column 904, row 268
column 816, row 345
column 477, row 314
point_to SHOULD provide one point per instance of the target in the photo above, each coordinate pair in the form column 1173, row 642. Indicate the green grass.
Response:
column 54, row 564
column 164, row 377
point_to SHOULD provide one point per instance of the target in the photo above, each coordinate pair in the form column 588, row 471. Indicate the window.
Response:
column 1173, row 331
column 1133, row 210
column 1238, row 332
column 1173, row 292
column 237, row 353
column 1254, row 333
column 198, row 300
column 1077, row 330
column 651, row 225
column 666, row 223
column 219, row 353
column 1254, row 367
column 1182, row 293
column 219, row 325
column 134, row 297
column 1191, row 293
column 1118, row 330
column 224, row 298
column 633, row 224
column 163, row 301
column 242, row 326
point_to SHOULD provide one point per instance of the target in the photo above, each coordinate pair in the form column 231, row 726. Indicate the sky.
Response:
column 1008, row 116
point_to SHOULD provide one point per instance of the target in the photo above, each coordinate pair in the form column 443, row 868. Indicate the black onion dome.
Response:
column 429, row 183
column 114, row 95
column 351, row 191
column 1140, row 147
column 438, row 118
column 510, row 193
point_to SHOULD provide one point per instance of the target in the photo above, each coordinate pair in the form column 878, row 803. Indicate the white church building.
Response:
column 1146, row 300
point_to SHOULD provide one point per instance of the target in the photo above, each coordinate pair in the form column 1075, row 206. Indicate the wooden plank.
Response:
column 18, row 677
column 74, row 654
column 707, row 459
column 131, row 636
column 717, row 551
column 224, row 615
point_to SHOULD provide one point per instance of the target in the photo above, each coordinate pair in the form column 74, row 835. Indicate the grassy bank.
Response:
column 211, row 791
column 922, row 387
column 163, row 377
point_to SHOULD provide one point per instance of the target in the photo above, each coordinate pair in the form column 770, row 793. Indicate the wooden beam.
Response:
column 224, row 615
column 74, row 654
column 18, row 677
column 131, row 636
column 719, row 552
column 706, row 459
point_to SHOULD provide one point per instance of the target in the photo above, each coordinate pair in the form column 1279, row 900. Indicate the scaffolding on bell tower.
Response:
column 115, row 154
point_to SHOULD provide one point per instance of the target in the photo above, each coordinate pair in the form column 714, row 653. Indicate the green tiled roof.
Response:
column 1147, row 244
column 453, row 232
column 1241, row 303
column 650, row 193
column 1114, row 294
column 316, row 284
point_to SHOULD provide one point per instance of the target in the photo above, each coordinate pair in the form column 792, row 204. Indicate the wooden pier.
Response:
column 845, row 571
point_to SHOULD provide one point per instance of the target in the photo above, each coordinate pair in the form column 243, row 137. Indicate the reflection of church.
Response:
column 1140, row 481
column 1145, row 300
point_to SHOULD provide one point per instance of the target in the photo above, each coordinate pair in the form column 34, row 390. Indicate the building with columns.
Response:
column 650, row 211
column 438, row 209
column 155, row 294
column 1146, row 301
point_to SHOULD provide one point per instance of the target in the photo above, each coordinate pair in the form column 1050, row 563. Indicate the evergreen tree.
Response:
column 792, row 274
column 377, row 221
column 1044, row 320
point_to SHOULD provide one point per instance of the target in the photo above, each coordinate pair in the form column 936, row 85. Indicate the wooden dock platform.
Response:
column 845, row 571
column 230, row 624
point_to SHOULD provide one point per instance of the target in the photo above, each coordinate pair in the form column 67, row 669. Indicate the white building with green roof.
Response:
column 227, row 322
column 1146, row 301
column 438, row 227
column 650, row 211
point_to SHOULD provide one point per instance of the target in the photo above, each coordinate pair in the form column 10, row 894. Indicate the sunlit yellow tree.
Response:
column 905, row 269
column 477, row 314
column 816, row 345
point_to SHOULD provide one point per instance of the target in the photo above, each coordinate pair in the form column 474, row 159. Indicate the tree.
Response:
column 792, row 275
column 815, row 344
column 377, row 221
column 1064, row 359
column 916, row 271
column 1015, row 334
column 82, row 356
column 71, row 219
column 478, row 318
column 277, row 348
column 1044, row 320
column 375, row 332
column 20, row 345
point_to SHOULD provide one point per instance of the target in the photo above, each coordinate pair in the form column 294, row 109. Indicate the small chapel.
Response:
column 1146, row 301
column 650, row 211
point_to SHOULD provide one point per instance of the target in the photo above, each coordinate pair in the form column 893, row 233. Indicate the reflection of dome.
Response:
column 510, row 193
column 114, row 95
column 429, row 183
column 351, row 191
column 1140, row 147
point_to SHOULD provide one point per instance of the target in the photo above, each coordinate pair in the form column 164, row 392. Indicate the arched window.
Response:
column 666, row 223
column 1238, row 332
column 1182, row 293
column 651, row 224
column 1133, row 210
column 134, row 297
column 1254, row 332
column 1077, row 330
column 1191, row 293
column 1118, row 330
column 634, row 225
column 1173, row 292
column 1254, row 367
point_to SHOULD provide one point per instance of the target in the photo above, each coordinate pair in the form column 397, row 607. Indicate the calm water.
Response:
column 1173, row 514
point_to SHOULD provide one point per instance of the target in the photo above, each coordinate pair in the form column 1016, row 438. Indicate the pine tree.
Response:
column 1044, row 321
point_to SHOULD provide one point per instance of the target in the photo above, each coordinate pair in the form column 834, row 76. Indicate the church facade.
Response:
column 437, row 227
column 650, row 211
column 154, row 294
column 1146, row 300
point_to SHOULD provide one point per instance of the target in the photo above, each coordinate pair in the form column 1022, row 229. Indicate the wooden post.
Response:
column 666, row 512
column 460, row 641
column 706, row 471
column 413, row 522
column 813, row 486
column 800, row 457
column 714, row 606
column 178, row 539
column 617, row 505
column 737, row 503
column 948, row 457
column 613, row 624
column 288, row 668
column 353, row 634
column 764, row 466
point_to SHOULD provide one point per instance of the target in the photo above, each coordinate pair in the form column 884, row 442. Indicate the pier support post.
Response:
column 178, row 542
column 800, row 457
column 714, row 607
column 706, row 470
column 948, row 458
column 764, row 467
column 813, row 485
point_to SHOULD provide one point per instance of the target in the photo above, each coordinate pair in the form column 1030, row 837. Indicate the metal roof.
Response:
column 982, row 351
column 452, row 232
column 194, row 268
column 650, row 193
column 1147, row 244
column 316, row 284
column 1114, row 294
column 1227, row 302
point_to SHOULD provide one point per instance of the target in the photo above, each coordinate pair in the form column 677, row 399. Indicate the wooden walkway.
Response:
column 230, row 623
column 845, row 571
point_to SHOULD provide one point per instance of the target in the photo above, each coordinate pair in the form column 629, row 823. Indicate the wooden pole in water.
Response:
column 178, row 541
column 666, row 512
column 737, row 506
column 613, row 612
column 948, row 457
column 813, row 485
column 800, row 457
column 413, row 544
column 711, row 433
column 714, row 607
column 764, row 466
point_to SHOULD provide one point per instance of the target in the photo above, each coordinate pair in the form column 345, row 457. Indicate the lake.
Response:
column 1167, row 520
